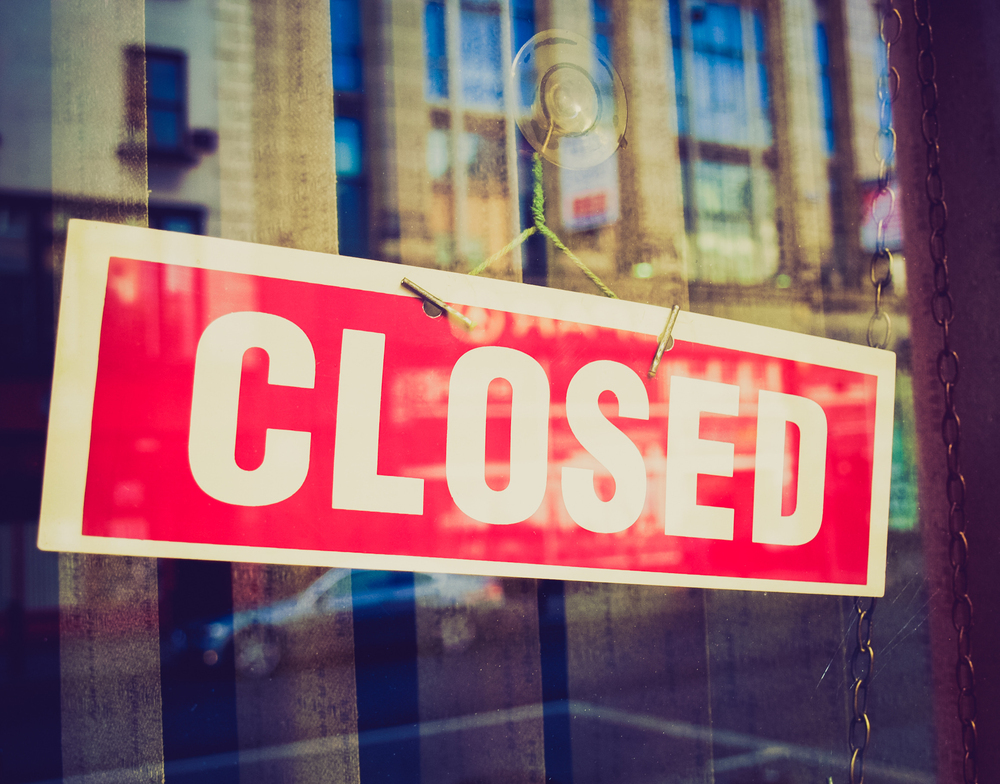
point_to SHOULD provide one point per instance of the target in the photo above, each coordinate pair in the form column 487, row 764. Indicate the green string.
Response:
column 538, row 214
column 505, row 249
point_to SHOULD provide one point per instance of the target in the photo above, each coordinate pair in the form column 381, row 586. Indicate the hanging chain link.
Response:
column 862, row 665
column 880, row 268
column 879, row 332
column 943, row 310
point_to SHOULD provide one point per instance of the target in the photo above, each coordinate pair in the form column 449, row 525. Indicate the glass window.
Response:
column 751, row 209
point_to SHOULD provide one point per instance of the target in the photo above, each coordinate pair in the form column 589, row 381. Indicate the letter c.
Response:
column 215, row 406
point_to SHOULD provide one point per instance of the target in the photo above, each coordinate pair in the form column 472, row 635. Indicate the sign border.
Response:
column 90, row 246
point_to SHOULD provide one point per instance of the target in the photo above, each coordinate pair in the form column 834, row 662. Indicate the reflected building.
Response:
column 745, row 181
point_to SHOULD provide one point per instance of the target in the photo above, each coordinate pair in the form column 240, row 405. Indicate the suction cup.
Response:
column 572, row 106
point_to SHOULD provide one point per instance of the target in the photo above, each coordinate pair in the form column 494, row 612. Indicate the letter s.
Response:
column 615, row 450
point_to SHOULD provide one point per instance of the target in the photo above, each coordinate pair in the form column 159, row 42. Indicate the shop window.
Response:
column 511, row 679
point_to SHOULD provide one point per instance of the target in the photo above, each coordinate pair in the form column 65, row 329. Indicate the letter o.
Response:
column 465, row 460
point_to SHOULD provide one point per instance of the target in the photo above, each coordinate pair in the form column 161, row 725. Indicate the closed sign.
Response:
column 216, row 399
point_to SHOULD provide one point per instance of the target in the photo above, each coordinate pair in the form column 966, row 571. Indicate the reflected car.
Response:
column 260, row 639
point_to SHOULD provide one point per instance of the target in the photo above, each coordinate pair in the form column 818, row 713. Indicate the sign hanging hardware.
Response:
column 576, row 120
column 878, row 335
column 541, row 227
column 436, row 302
column 666, row 340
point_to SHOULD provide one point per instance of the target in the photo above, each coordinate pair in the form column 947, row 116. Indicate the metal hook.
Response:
column 665, row 339
column 426, row 296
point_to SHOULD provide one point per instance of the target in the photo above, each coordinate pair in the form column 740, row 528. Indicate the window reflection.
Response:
column 519, row 680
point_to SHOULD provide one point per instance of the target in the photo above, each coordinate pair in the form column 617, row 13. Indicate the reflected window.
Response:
column 725, row 135
column 436, row 50
column 725, row 96
column 482, row 70
column 347, row 134
column 826, row 88
column 350, row 112
column 602, row 26
column 469, row 138
column 345, row 30
column 723, row 210
column 166, row 101
column 182, row 219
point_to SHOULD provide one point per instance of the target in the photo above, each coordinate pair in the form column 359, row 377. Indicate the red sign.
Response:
column 215, row 399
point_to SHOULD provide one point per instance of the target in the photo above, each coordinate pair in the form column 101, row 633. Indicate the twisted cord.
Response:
column 505, row 250
column 538, row 216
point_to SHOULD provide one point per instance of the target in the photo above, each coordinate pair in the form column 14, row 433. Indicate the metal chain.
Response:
column 862, row 665
column 879, row 332
column 880, row 268
column 943, row 310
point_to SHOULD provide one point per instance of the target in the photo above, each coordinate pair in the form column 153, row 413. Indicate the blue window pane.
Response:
column 482, row 82
column 525, row 8
column 826, row 88
column 602, row 26
column 764, row 98
column 436, row 50
column 352, row 219
column 345, row 24
column 720, row 103
column 162, row 79
column 345, row 38
column 759, row 37
column 181, row 223
column 680, row 87
column 522, row 29
column 603, row 44
column 349, row 148
column 675, row 21
column 822, row 46
column 716, row 28
column 765, row 104
column 164, row 129
column 346, row 73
